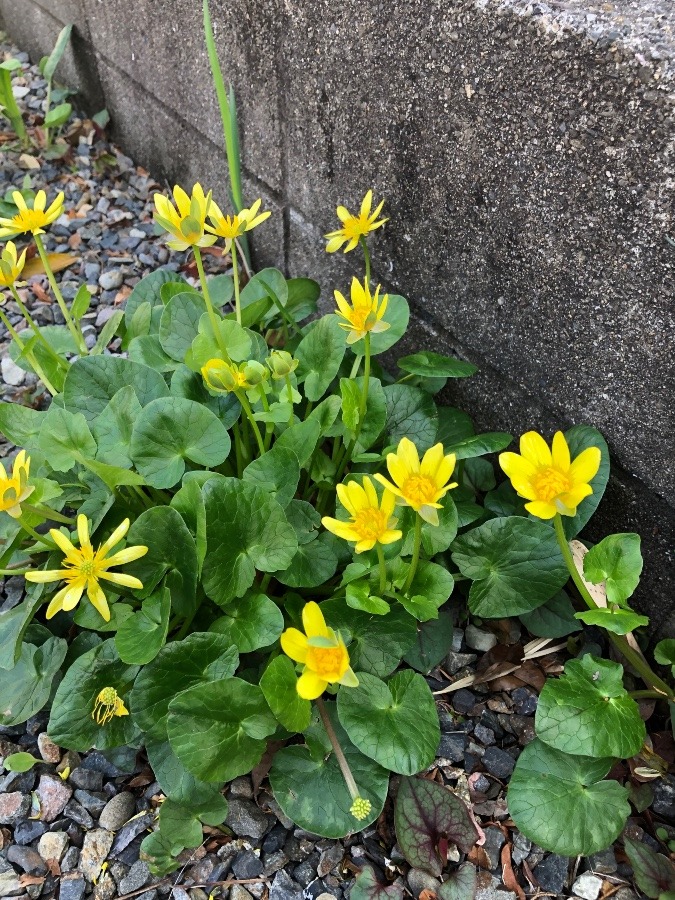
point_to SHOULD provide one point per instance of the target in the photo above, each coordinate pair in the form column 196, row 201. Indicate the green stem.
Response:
column 416, row 553
column 235, row 275
column 40, row 538
column 640, row 665
column 357, row 365
column 48, row 513
column 236, row 429
column 337, row 749
column 383, row 568
column 47, row 105
column 289, row 389
column 213, row 319
column 646, row 695
column 363, row 405
column 74, row 330
column 36, row 331
column 269, row 426
column 185, row 627
column 246, row 406
column 366, row 258
column 30, row 356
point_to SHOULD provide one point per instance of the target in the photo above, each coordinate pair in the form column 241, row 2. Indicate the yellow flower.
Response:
column 365, row 313
column 420, row 485
column 371, row 522
column 321, row 651
column 31, row 218
column 14, row 490
column 549, row 479
column 354, row 227
column 11, row 266
column 220, row 376
column 231, row 227
column 84, row 567
column 107, row 705
column 186, row 220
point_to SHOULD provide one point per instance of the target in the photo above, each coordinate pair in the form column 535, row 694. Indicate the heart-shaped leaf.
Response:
column 553, row 619
column 140, row 637
column 367, row 887
column 252, row 622
column 654, row 873
column 411, row 413
column 617, row 561
column 614, row 619
column 434, row 365
column 174, row 779
column 395, row 723
column 515, row 565
column 377, row 643
column 319, row 354
column 278, row 684
column 461, row 885
column 587, row 711
column 91, row 383
column 26, row 688
column 434, row 641
column 561, row 802
column 480, row 444
column 428, row 817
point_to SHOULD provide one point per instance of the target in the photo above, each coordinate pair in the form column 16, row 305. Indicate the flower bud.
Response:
column 281, row 364
column 220, row 376
column 254, row 373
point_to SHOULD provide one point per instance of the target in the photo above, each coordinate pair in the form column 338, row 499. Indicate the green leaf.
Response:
column 55, row 56
column 218, row 730
column 170, row 431
column 434, row 365
column 13, row 625
column 617, row 561
column 278, row 684
column 358, row 596
column 654, row 873
column 397, row 315
column 174, row 779
column 112, row 429
column 87, row 616
column 395, row 723
column 579, row 438
column 430, row 588
column 171, row 555
column 367, row 887
column 148, row 351
column 434, row 642
column 237, row 341
column 311, row 790
column 26, row 688
column 277, row 472
column 560, row 801
column 376, row 414
column 107, row 333
column 149, row 290
column 71, row 724
column 246, row 530
column 454, row 426
column 20, row 762
column 664, row 652
column 91, row 383
column 411, row 413
column 190, row 385
column 20, row 424
column 179, row 325
column 515, row 565
column 428, row 816
column 301, row 439
column 618, row 621
column 587, row 711
column 351, row 398
column 554, row 619
column 252, row 622
column 376, row 643
column 480, row 444
column 319, row 354
column 435, row 538
column 303, row 294
column 314, row 564
column 65, row 439
column 81, row 302
column 179, row 826
column 462, row 884
column 189, row 503
column 200, row 658
column 58, row 116
column 140, row 637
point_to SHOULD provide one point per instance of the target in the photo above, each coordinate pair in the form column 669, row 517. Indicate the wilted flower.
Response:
column 186, row 220
column 365, row 313
column 14, row 490
column 33, row 218
column 11, row 265
column 549, row 479
column 371, row 522
column 354, row 227
column 107, row 705
column 420, row 484
column 321, row 651
column 84, row 567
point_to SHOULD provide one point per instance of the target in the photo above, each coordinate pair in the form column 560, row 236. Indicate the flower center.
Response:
column 327, row 662
column 356, row 227
column 418, row 490
column 29, row 220
column 370, row 523
column 550, row 483
column 86, row 568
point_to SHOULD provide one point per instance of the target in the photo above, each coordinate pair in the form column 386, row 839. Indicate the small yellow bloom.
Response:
column 186, row 220
column 221, row 376
column 83, row 567
column 321, row 651
column 371, row 522
column 365, row 313
column 31, row 218
column 354, row 227
column 107, row 705
column 360, row 808
column 11, row 265
column 231, row 227
column 14, row 490
column 548, row 478
column 420, row 485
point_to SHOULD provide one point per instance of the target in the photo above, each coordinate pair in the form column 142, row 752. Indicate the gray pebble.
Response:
column 247, row 865
column 552, row 873
column 498, row 762
column 284, row 888
column 13, row 807
column 136, row 878
column 117, row 811
column 112, row 279
column 87, row 779
column 247, row 820
column 27, row 859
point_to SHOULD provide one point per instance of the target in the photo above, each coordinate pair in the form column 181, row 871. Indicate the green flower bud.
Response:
column 221, row 377
column 254, row 373
column 281, row 364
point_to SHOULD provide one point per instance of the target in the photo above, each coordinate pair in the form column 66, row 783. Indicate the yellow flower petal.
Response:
column 62, row 542
column 349, row 679
column 98, row 599
column 129, row 554
column 122, row 579
column 115, row 537
column 83, row 531
column 535, row 449
column 585, row 466
column 310, row 686
column 560, row 452
column 294, row 644
column 541, row 509
column 313, row 621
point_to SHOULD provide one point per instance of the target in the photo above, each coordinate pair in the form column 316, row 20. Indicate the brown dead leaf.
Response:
column 122, row 294
column 508, row 875
column 26, row 161
column 27, row 880
column 141, row 780
column 54, row 867
column 427, row 894
column 259, row 772
column 479, row 857
column 40, row 292
column 58, row 262
column 75, row 240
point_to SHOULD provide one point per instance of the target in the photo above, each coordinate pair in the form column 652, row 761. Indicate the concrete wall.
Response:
column 527, row 155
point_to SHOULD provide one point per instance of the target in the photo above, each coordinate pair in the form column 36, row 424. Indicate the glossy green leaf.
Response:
column 278, row 684
column 20, row 762
column 554, row 619
column 81, row 302
column 112, row 429
column 411, row 413
column 376, row 643
column 26, row 688
column 65, row 439
column 91, row 383
column 20, row 424
column 367, row 887
column 434, row 365
column 515, row 565
column 480, row 444
column 579, row 438
column 174, row 779
column 179, row 325
column 617, row 561
column 148, row 351
column 433, row 643
column 561, row 802
column 13, row 625
column 277, row 472
column 314, row 564
column 319, row 354
column 614, row 619
column 140, row 637
column 149, row 290
column 252, row 622
column 654, row 872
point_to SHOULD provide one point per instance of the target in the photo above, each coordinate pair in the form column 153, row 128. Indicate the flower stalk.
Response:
column 246, row 406
column 30, row 356
column 361, row 807
column 36, row 331
column 213, row 319
column 417, row 544
column 72, row 327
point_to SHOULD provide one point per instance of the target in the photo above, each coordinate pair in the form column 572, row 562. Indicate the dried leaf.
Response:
column 26, row 161
column 508, row 875
column 57, row 261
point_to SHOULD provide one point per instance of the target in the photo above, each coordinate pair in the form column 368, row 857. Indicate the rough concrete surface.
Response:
column 527, row 155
